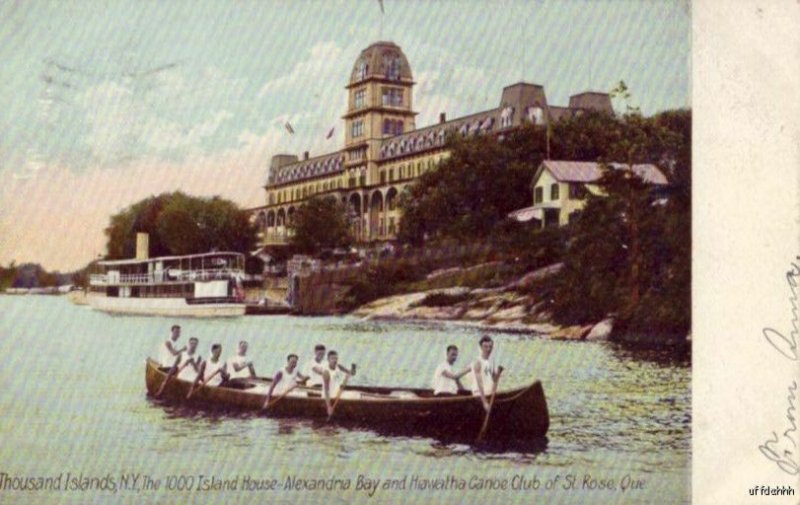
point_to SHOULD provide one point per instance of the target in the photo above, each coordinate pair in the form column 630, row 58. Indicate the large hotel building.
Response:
column 384, row 151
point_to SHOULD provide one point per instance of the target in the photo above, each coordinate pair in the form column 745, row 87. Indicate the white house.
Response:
column 560, row 187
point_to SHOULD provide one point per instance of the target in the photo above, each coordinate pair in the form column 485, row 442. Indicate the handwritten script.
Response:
column 782, row 449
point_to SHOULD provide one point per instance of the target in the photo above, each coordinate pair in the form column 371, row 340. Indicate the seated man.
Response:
column 168, row 352
column 315, row 367
column 214, row 369
column 334, row 377
column 239, row 367
column 189, row 368
column 186, row 367
column 446, row 381
column 285, row 379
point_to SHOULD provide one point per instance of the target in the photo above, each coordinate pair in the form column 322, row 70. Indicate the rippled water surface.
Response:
column 74, row 401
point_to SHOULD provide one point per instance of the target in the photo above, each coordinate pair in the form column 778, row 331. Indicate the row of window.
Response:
column 576, row 192
column 407, row 171
column 288, row 195
column 403, row 172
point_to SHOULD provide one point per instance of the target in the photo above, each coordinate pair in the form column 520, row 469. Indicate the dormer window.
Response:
column 391, row 64
column 535, row 115
column 361, row 70
column 506, row 117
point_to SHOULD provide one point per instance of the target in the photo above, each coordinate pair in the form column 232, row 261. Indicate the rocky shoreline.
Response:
column 505, row 309
column 516, row 307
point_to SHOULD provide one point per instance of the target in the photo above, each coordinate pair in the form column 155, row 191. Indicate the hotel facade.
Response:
column 384, row 151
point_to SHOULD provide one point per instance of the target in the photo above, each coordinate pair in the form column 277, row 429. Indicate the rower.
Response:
column 285, row 379
column 186, row 359
column 239, row 367
column 446, row 381
column 484, row 372
column 189, row 368
column 168, row 353
column 213, row 369
column 315, row 367
column 333, row 377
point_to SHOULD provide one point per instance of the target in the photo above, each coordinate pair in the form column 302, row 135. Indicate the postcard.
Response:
column 372, row 251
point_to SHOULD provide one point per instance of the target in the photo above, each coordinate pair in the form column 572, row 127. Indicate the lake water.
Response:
column 74, row 402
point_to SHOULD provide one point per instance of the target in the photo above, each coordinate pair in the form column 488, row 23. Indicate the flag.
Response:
column 380, row 2
column 330, row 133
column 289, row 128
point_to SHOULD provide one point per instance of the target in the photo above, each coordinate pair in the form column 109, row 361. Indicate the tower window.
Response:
column 392, row 127
column 358, row 98
column 392, row 97
column 392, row 65
column 357, row 128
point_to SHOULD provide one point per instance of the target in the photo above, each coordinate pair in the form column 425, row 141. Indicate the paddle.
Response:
column 491, row 404
column 269, row 404
column 201, row 383
column 338, row 396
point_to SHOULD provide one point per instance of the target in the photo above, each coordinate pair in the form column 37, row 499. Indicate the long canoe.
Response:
column 518, row 414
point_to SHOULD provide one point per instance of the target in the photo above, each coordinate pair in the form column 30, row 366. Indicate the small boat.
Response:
column 517, row 414
column 197, row 285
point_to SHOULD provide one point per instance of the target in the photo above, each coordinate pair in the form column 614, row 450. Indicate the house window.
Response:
column 351, row 182
column 391, row 175
column 358, row 128
column 538, row 195
column 573, row 216
column 576, row 191
column 362, row 180
column 358, row 99
column 554, row 191
column 391, row 226
column 383, row 177
column 392, row 97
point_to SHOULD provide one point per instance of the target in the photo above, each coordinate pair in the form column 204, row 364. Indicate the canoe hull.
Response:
column 519, row 414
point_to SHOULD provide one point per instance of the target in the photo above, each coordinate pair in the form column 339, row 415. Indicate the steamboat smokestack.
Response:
column 142, row 246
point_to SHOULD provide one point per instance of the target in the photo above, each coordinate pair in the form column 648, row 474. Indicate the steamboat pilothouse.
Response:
column 196, row 285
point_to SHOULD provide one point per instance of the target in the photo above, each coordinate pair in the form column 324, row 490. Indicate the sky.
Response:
column 104, row 103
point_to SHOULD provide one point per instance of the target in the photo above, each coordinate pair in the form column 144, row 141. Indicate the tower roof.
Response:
column 382, row 60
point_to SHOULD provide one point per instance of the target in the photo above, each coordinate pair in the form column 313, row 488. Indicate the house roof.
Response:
column 590, row 171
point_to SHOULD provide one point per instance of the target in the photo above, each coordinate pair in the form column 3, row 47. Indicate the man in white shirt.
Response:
column 446, row 381
column 285, row 379
column 186, row 366
column 484, row 372
column 315, row 367
column 239, row 367
column 214, row 369
column 168, row 352
column 189, row 368
column 334, row 378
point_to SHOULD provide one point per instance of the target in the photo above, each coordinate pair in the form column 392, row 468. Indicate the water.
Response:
column 74, row 401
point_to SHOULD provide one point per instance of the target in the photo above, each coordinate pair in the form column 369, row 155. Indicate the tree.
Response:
column 320, row 223
column 180, row 224
column 473, row 190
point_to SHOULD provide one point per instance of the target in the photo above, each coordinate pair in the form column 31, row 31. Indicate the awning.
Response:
column 535, row 212
column 526, row 214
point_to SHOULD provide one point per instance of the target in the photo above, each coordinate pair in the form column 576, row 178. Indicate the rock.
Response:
column 513, row 313
column 531, row 277
column 602, row 330
column 571, row 333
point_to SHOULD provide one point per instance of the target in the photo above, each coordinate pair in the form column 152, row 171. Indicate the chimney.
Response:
column 442, row 117
column 142, row 246
column 305, row 155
